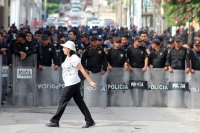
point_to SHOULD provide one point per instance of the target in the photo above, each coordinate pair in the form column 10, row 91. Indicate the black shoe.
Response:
column 52, row 124
column 87, row 126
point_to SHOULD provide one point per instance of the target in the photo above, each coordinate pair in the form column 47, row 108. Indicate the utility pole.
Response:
column 26, row 23
column 45, row 10
column 116, row 12
column 40, row 13
column 5, row 17
column 33, row 14
column 154, row 16
column 132, row 11
column 121, row 13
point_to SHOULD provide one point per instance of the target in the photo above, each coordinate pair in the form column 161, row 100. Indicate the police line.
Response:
column 28, row 86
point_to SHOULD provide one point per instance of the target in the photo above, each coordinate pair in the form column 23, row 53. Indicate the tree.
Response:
column 180, row 11
column 53, row 6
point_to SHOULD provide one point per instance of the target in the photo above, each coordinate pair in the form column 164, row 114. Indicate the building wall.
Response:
column 23, row 10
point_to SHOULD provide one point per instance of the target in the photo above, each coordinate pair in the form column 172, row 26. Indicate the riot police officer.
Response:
column 137, row 55
column 45, row 53
column 94, row 58
column 85, row 41
column 195, row 56
column 22, row 47
column 94, row 31
column 145, row 39
column 197, row 35
column 170, row 43
column 116, row 56
column 158, row 56
column 72, row 34
column 100, row 41
column 125, row 42
column 177, row 56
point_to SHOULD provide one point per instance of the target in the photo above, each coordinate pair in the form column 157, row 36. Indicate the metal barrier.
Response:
column 24, row 81
column 4, row 78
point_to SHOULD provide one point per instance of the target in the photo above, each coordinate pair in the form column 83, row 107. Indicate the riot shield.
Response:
column 9, row 100
column 0, row 79
column 24, row 84
column 48, row 87
column 95, row 96
column 117, row 88
column 156, row 94
column 137, row 86
column 4, row 83
column 194, row 89
column 177, row 89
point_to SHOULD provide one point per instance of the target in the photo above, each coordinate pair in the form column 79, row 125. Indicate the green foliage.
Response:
column 55, row 1
column 181, row 11
column 52, row 8
column 111, row 1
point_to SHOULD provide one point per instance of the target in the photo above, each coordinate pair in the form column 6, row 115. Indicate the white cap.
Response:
column 70, row 45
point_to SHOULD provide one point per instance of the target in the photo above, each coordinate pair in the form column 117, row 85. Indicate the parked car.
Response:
column 102, row 20
column 94, row 23
column 109, row 23
column 60, row 23
column 76, row 4
column 67, row 16
column 47, row 24
column 75, row 24
column 73, row 18
column 89, row 20
column 75, row 11
column 89, row 10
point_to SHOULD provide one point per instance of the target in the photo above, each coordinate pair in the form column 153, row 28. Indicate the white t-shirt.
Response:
column 69, row 70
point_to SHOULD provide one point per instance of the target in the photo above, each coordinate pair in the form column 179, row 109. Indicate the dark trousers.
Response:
column 67, row 94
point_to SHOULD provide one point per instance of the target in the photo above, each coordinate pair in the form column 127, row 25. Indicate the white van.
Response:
column 103, row 19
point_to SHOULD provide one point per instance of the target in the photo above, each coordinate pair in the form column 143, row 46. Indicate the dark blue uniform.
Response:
column 46, row 54
column 195, row 58
column 136, row 56
column 158, row 58
column 96, row 60
column 116, row 57
column 176, row 58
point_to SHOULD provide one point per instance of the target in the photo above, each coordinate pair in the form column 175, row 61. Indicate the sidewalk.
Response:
column 108, row 120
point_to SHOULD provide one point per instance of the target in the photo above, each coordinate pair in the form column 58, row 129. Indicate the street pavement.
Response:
column 108, row 120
